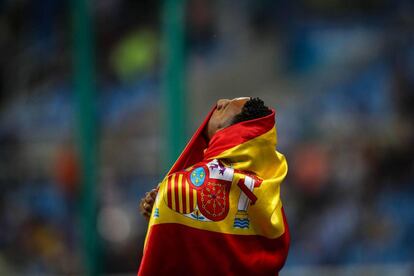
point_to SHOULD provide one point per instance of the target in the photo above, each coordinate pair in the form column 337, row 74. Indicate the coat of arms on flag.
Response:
column 201, row 193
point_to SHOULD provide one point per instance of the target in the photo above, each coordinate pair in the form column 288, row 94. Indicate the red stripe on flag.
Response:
column 213, row 253
column 169, row 199
column 191, row 199
column 177, row 203
column 184, row 195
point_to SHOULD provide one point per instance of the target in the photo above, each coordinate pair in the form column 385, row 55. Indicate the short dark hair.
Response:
column 252, row 109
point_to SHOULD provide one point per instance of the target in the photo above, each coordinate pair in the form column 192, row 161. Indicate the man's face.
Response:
column 224, row 114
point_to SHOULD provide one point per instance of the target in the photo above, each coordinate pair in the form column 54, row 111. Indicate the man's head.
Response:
column 229, row 112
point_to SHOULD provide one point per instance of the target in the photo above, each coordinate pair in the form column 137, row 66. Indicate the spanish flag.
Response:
column 218, row 211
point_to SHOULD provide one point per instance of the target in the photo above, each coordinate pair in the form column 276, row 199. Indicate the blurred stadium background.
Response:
column 92, row 86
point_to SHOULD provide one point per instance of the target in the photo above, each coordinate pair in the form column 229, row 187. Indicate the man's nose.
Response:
column 222, row 103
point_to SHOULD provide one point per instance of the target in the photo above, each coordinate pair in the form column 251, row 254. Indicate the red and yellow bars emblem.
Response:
column 181, row 197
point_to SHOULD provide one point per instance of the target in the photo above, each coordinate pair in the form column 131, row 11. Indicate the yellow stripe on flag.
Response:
column 180, row 193
column 194, row 198
column 187, row 197
column 173, row 192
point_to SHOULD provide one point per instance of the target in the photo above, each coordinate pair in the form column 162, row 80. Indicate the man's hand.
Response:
column 147, row 203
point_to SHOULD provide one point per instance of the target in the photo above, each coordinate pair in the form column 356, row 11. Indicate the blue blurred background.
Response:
column 339, row 73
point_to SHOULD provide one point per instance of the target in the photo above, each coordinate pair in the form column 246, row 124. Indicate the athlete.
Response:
column 218, row 210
